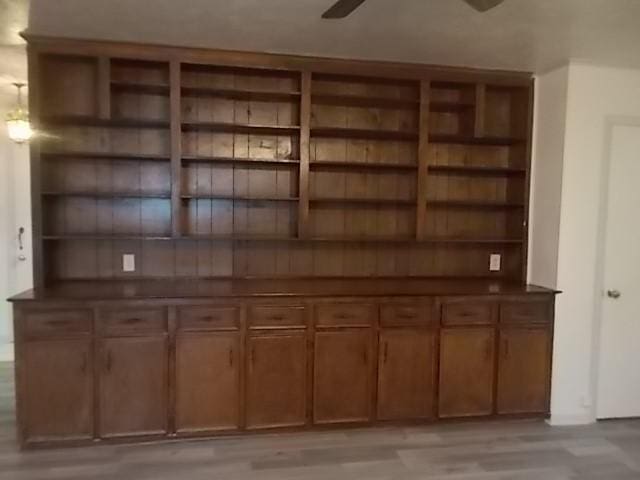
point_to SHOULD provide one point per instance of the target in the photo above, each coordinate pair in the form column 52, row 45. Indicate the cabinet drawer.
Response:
column 57, row 323
column 467, row 313
column 133, row 320
column 208, row 318
column 346, row 315
column 405, row 315
column 529, row 312
column 274, row 316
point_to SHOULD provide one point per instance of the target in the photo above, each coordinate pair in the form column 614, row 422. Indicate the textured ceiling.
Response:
column 520, row 34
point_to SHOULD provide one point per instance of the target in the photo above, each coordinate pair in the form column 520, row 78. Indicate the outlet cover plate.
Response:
column 495, row 262
column 128, row 262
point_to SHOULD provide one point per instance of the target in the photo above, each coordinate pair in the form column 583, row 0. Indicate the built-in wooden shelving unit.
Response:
column 268, row 170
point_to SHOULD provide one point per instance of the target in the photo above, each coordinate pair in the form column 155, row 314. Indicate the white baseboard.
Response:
column 562, row 420
column 6, row 352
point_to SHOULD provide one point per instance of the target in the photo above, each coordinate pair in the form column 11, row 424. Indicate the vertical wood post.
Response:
column 305, row 133
column 176, row 145
column 481, row 102
column 423, row 161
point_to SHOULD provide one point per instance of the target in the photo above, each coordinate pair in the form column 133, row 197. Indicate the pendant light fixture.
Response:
column 18, row 126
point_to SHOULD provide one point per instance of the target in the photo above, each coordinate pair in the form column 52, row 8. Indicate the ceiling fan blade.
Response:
column 484, row 5
column 342, row 8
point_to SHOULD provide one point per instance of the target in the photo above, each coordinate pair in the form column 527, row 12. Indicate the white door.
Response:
column 619, row 369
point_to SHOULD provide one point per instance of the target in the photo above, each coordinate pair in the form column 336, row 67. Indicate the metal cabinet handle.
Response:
column 231, row 357
column 615, row 294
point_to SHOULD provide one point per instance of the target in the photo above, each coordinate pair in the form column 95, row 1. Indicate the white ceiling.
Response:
column 533, row 35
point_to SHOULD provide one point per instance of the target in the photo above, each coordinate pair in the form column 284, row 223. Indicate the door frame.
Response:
column 611, row 123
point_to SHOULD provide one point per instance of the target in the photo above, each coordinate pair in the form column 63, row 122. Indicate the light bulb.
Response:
column 19, row 130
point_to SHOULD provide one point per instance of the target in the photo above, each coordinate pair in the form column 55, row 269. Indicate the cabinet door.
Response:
column 524, row 370
column 406, row 374
column 343, row 376
column 466, row 372
column 133, row 386
column 207, row 382
column 58, row 390
column 277, row 380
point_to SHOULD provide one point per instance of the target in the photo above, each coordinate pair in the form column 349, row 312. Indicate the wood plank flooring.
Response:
column 520, row 450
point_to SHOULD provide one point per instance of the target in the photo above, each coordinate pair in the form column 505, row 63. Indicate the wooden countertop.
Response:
column 247, row 288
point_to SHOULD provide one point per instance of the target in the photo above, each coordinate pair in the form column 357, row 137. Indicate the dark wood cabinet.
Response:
column 277, row 379
column 524, row 369
column 133, row 386
column 406, row 374
column 208, row 382
column 244, row 225
column 58, row 390
column 343, row 376
column 467, row 356
column 100, row 370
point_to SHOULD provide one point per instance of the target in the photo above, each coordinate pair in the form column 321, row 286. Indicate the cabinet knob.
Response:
column 615, row 294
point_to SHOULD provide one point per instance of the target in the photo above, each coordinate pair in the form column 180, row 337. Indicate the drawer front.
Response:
column 467, row 313
column 208, row 318
column 133, row 320
column 526, row 312
column 57, row 323
column 274, row 316
column 346, row 315
column 406, row 315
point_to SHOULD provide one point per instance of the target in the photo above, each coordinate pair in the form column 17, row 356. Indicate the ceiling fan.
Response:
column 343, row 8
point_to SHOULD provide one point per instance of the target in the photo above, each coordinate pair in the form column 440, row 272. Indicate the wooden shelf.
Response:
column 450, row 107
column 115, row 238
column 469, row 140
column 187, row 116
column 86, row 121
column 474, row 241
column 233, row 160
column 365, row 101
column 346, row 202
column 474, row 204
column 226, row 93
column 239, row 238
column 472, row 170
column 397, row 135
column 241, row 128
column 412, row 240
column 233, row 198
column 140, row 88
column 94, row 194
column 384, row 166
column 106, row 156
column 243, row 95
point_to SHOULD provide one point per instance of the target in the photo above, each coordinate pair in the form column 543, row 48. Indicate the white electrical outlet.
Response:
column 128, row 262
column 495, row 262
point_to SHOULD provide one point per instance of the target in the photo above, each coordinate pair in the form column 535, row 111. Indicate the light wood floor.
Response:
column 481, row 451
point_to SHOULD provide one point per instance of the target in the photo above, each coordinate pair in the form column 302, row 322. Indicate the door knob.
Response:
column 615, row 294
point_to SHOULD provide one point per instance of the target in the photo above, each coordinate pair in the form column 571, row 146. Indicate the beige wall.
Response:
column 594, row 95
column 15, row 204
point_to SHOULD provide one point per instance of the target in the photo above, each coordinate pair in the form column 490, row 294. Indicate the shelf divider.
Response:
column 303, row 168
column 176, row 145
column 481, row 104
column 423, row 161
column 104, row 88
